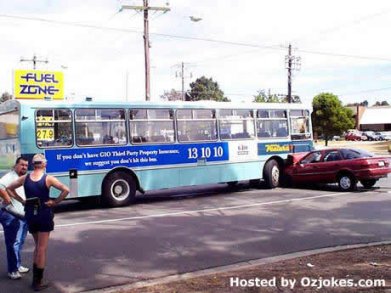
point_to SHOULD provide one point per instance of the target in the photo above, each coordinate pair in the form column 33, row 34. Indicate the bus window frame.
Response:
column 149, row 142
column 97, row 121
column 269, row 118
column 7, row 112
column 214, row 118
column 72, row 128
column 301, row 135
column 239, row 119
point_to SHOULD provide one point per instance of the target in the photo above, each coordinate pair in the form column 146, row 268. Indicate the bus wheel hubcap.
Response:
column 120, row 189
column 275, row 175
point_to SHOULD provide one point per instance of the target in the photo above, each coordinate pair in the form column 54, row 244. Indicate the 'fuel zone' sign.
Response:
column 36, row 84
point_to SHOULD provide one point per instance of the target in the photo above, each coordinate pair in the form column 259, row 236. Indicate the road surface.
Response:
column 190, row 229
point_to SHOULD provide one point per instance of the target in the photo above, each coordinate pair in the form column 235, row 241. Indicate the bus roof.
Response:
column 149, row 104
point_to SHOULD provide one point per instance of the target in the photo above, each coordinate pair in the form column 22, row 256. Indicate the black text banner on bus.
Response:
column 37, row 84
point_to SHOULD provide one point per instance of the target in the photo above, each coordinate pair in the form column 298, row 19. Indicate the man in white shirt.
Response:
column 11, row 217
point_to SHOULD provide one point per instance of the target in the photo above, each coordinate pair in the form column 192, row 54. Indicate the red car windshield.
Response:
column 349, row 154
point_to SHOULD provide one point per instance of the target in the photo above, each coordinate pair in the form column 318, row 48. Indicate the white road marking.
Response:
column 204, row 210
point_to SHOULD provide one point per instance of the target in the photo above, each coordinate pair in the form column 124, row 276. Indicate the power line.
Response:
column 271, row 47
column 253, row 51
column 368, row 91
column 344, row 55
column 77, row 24
column 341, row 26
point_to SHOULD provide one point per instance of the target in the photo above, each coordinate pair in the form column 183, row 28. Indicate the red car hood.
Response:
column 295, row 157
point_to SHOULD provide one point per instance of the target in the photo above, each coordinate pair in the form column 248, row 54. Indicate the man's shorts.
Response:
column 42, row 222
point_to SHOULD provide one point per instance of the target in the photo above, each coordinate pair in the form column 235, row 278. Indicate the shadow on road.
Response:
column 186, row 193
column 180, row 193
column 130, row 251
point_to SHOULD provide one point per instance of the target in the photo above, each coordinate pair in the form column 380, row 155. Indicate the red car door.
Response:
column 329, row 166
column 306, row 170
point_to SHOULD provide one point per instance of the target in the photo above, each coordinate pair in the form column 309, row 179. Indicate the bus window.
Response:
column 53, row 128
column 151, row 126
column 138, row 114
column 272, row 124
column 199, row 125
column 300, row 124
column 236, row 124
column 9, row 125
column 100, row 127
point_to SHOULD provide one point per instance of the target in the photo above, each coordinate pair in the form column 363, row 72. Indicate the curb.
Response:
column 233, row 267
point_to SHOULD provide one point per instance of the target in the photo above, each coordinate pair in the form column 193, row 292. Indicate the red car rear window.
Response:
column 349, row 154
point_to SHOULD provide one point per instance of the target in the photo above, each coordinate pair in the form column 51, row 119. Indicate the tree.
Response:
column 262, row 97
column 383, row 103
column 295, row 99
column 172, row 95
column 206, row 89
column 363, row 103
column 329, row 117
column 5, row 96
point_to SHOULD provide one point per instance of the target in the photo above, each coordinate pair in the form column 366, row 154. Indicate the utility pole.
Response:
column 182, row 75
column 34, row 60
column 126, row 85
column 145, row 8
column 290, row 73
column 183, row 81
column 292, row 63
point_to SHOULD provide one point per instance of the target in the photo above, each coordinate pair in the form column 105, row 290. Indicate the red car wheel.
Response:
column 347, row 182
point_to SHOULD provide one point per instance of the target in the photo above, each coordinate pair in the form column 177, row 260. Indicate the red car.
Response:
column 343, row 166
column 354, row 136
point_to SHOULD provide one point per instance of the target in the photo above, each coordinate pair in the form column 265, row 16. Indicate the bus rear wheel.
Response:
column 271, row 174
column 119, row 189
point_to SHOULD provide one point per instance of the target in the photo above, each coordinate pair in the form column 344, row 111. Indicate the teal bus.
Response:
column 115, row 149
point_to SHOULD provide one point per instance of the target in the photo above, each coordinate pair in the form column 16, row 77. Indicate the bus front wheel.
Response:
column 271, row 174
column 119, row 189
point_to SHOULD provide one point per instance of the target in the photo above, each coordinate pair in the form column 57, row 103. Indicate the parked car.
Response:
column 344, row 166
column 371, row 135
column 355, row 136
column 384, row 135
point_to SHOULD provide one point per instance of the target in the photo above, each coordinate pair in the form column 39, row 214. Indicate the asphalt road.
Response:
column 190, row 229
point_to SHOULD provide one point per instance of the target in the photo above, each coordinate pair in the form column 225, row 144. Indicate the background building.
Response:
column 373, row 118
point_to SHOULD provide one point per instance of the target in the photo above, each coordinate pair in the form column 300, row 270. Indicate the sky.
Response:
column 344, row 46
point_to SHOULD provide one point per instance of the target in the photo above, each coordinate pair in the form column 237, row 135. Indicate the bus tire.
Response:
column 271, row 174
column 232, row 184
column 119, row 189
